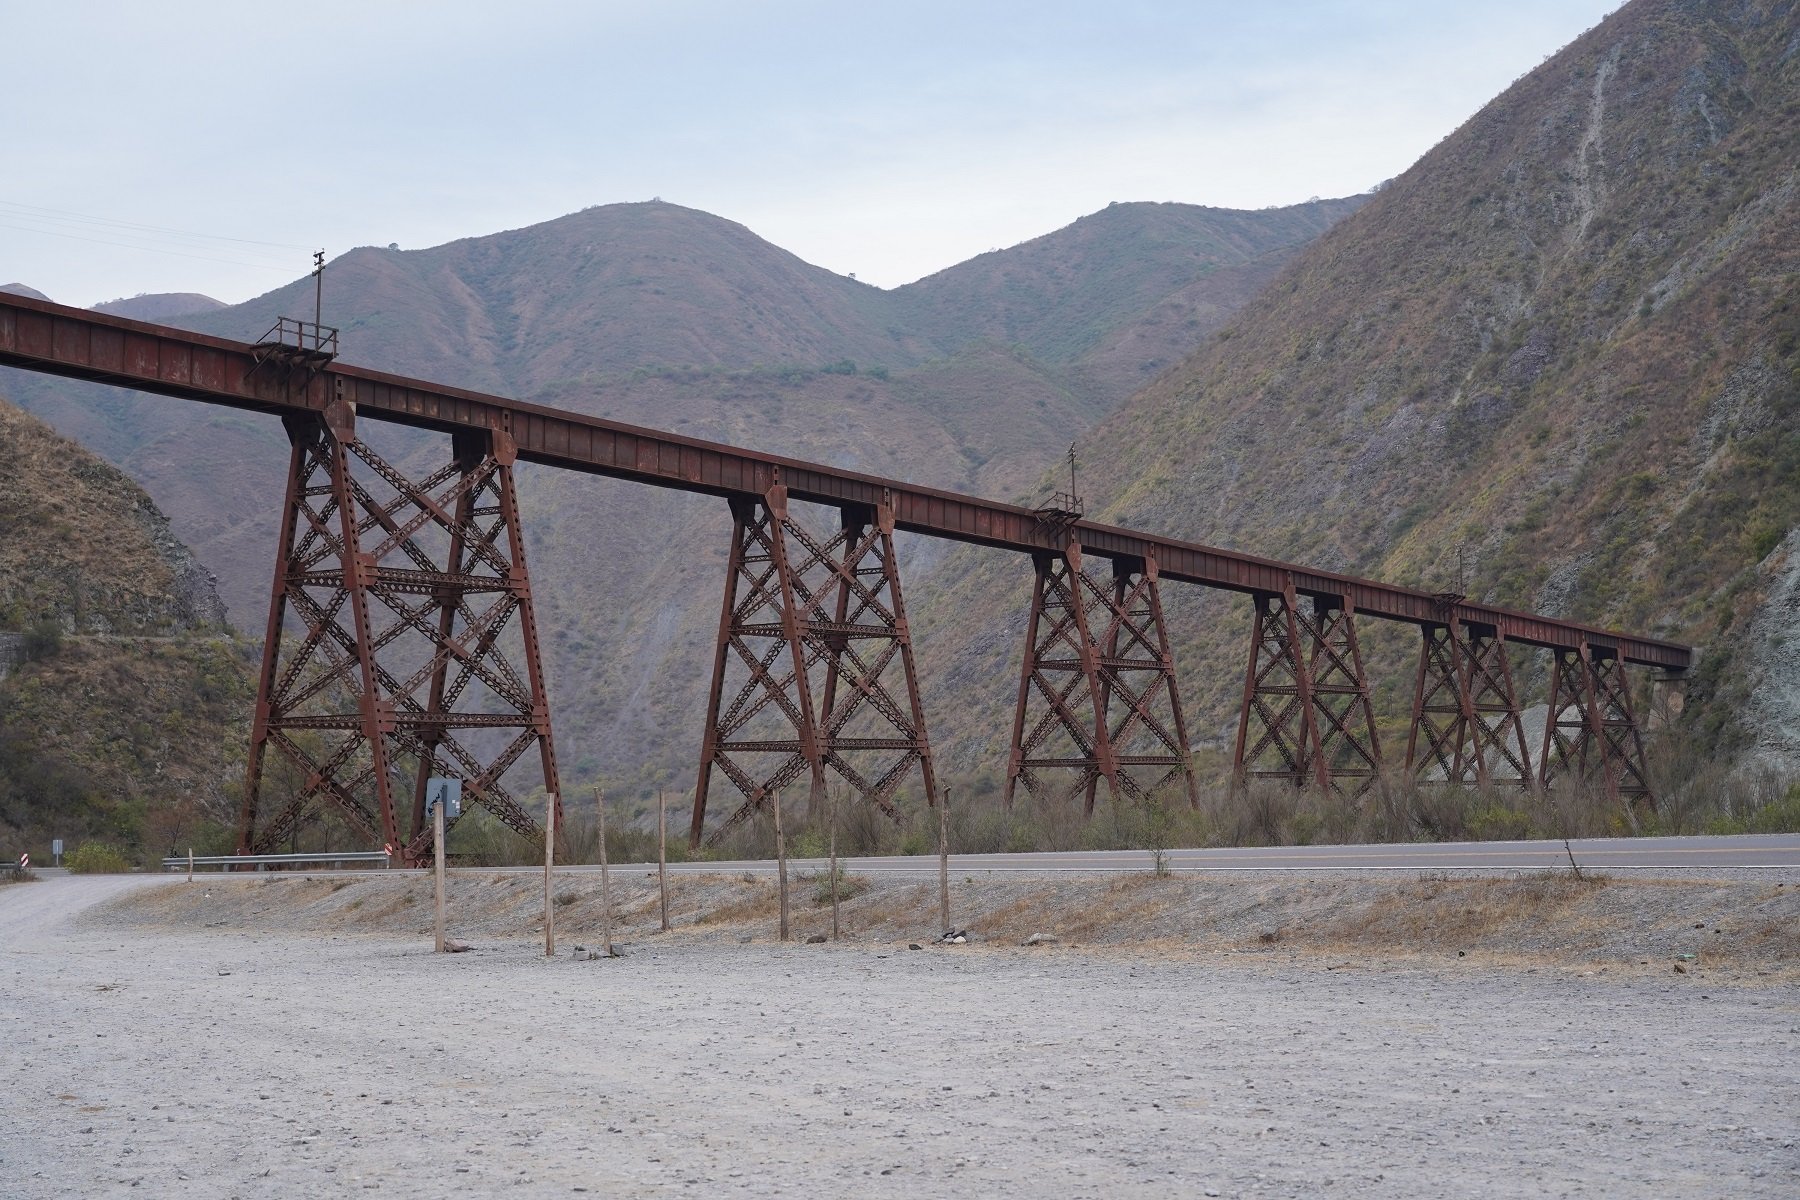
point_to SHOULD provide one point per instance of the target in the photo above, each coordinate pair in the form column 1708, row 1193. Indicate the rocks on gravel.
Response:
column 1041, row 939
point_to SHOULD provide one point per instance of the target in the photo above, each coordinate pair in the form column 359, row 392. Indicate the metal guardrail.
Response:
column 264, row 862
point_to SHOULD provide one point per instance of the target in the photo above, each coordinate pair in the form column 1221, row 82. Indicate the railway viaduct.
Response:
column 411, row 645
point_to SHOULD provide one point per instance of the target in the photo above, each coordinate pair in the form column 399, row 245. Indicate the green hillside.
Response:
column 124, row 701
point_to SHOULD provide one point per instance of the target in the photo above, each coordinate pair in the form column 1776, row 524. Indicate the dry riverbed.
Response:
column 277, row 1037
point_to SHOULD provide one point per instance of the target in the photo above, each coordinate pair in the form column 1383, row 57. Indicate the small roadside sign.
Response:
column 447, row 792
column 56, row 850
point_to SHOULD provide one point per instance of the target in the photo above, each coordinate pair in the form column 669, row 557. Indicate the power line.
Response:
column 230, row 262
column 36, row 212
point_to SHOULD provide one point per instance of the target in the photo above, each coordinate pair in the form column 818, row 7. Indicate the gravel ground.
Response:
column 220, row 1062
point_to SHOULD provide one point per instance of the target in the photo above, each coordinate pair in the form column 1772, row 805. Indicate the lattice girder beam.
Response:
column 798, row 613
column 388, row 654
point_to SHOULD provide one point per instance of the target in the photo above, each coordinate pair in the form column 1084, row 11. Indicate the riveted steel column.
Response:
column 781, row 580
column 376, row 599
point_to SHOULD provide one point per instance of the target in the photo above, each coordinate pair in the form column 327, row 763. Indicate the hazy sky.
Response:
column 158, row 147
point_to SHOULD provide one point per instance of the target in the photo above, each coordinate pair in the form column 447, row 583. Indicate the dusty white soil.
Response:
column 172, row 1058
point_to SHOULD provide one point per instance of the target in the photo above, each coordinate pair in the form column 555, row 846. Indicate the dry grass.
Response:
column 1546, row 918
column 1436, row 913
column 762, row 902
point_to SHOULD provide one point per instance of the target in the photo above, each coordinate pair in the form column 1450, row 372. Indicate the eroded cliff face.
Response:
column 1770, row 660
column 85, row 548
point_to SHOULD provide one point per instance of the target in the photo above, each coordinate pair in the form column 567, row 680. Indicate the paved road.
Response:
column 1768, row 852
column 1773, row 851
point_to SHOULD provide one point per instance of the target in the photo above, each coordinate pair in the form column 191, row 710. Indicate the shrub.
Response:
column 43, row 640
column 1781, row 816
column 96, row 858
column 848, row 886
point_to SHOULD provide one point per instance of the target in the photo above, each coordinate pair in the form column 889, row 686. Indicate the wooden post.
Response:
column 190, row 864
column 437, row 843
column 781, row 867
column 944, row 857
column 549, row 860
column 605, row 879
column 662, row 857
column 832, row 799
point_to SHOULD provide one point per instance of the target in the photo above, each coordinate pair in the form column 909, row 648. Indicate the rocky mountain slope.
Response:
column 124, row 701
column 1555, row 364
column 651, row 313
column 160, row 306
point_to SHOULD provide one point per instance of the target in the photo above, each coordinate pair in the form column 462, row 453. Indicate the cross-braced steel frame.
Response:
column 1306, row 717
column 406, row 592
column 1098, row 669
column 1590, row 732
column 795, row 604
column 1465, row 720
column 1343, row 715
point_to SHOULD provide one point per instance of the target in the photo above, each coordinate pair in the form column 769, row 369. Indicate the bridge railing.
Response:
column 277, row 862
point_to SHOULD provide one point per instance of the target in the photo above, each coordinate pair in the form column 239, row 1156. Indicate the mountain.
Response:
column 669, row 317
column 19, row 289
column 1555, row 364
column 1125, row 291
column 123, row 698
column 160, row 306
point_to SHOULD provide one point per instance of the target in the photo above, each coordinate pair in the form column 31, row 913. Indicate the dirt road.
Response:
column 224, row 1063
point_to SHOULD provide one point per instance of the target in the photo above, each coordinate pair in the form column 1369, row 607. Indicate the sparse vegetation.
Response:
column 124, row 710
column 848, row 886
column 1694, row 798
column 96, row 858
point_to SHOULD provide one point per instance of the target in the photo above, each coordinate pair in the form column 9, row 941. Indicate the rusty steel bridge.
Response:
column 812, row 628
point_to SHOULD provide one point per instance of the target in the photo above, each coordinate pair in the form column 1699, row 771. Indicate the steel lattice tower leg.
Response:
column 1441, row 709
column 792, row 603
column 1278, row 732
column 1495, row 722
column 1465, row 707
column 1591, row 730
column 1137, row 669
column 402, row 639
column 863, row 721
column 1061, row 670
column 1344, row 716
